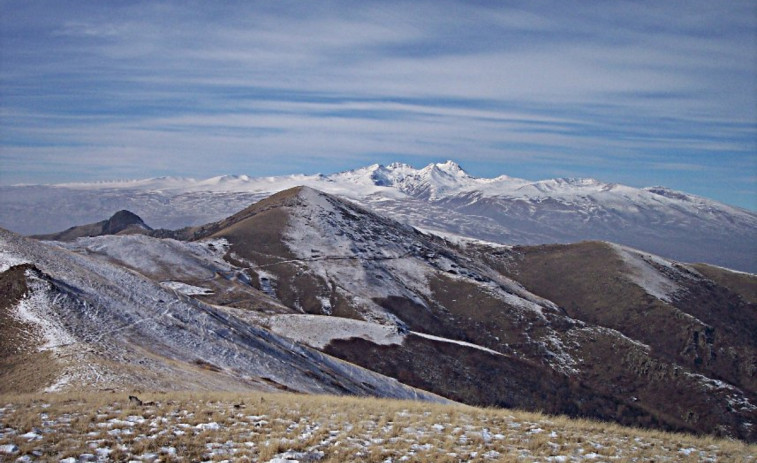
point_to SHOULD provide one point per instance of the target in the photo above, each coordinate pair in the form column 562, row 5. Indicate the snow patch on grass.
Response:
column 186, row 289
column 9, row 259
column 453, row 341
column 319, row 330
column 646, row 275
column 37, row 308
column 289, row 428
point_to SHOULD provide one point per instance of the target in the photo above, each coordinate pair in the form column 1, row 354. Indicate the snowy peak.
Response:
column 443, row 174
column 436, row 180
column 430, row 181
column 450, row 168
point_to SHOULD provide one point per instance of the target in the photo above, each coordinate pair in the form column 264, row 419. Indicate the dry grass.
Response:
column 264, row 427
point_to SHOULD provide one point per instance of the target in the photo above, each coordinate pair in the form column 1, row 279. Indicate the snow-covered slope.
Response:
column 115, row 328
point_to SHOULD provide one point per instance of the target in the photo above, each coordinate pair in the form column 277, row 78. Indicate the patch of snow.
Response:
column 267, row 282
column 160, row 258
column 297, row 457
column 31, row 435
column 60, row 384
column 8, row 260
column 186, row 289
column 319, row 330
column 612, row 332
column 460, row 343
column 461, row 240
column 644, row 274
column 37, row 308
column 735, row 396
column 558, row 356
column 325, row 304
column 8, row 448
column 738, row 272
column 212, row 426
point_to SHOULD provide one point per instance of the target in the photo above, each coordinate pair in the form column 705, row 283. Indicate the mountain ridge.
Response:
column 439, row 197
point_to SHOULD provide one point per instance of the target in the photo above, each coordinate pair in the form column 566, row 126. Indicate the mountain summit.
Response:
column 122, row 222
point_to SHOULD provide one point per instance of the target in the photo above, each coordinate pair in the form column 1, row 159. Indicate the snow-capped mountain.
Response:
column 439, row 197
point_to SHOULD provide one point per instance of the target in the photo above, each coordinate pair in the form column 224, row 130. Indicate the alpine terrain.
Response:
column 440, row 197
column 308, row 291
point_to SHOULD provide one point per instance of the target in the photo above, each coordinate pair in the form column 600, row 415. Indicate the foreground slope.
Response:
column 607, row 332
column 98, row 325
column 294, row 427
column 440, row 197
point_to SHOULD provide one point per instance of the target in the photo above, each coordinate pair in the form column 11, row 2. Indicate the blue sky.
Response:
column 641, row 93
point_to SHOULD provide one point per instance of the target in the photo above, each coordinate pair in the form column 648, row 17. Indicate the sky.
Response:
column 641, row 93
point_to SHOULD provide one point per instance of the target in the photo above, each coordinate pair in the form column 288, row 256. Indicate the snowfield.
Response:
column 319, row 330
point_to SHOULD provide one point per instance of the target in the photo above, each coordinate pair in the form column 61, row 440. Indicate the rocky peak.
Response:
column 122, row 220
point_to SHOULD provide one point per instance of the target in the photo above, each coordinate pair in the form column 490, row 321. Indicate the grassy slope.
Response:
column 259, row 427
column 589, row 281
column 744, row 284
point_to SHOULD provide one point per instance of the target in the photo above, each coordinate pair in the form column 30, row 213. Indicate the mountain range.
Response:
column 311, row 292
column 440, row 197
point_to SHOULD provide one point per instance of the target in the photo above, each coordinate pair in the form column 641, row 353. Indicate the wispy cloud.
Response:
column 623, row 91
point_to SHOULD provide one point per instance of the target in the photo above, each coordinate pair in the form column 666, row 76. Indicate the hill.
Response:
column 121, row 223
